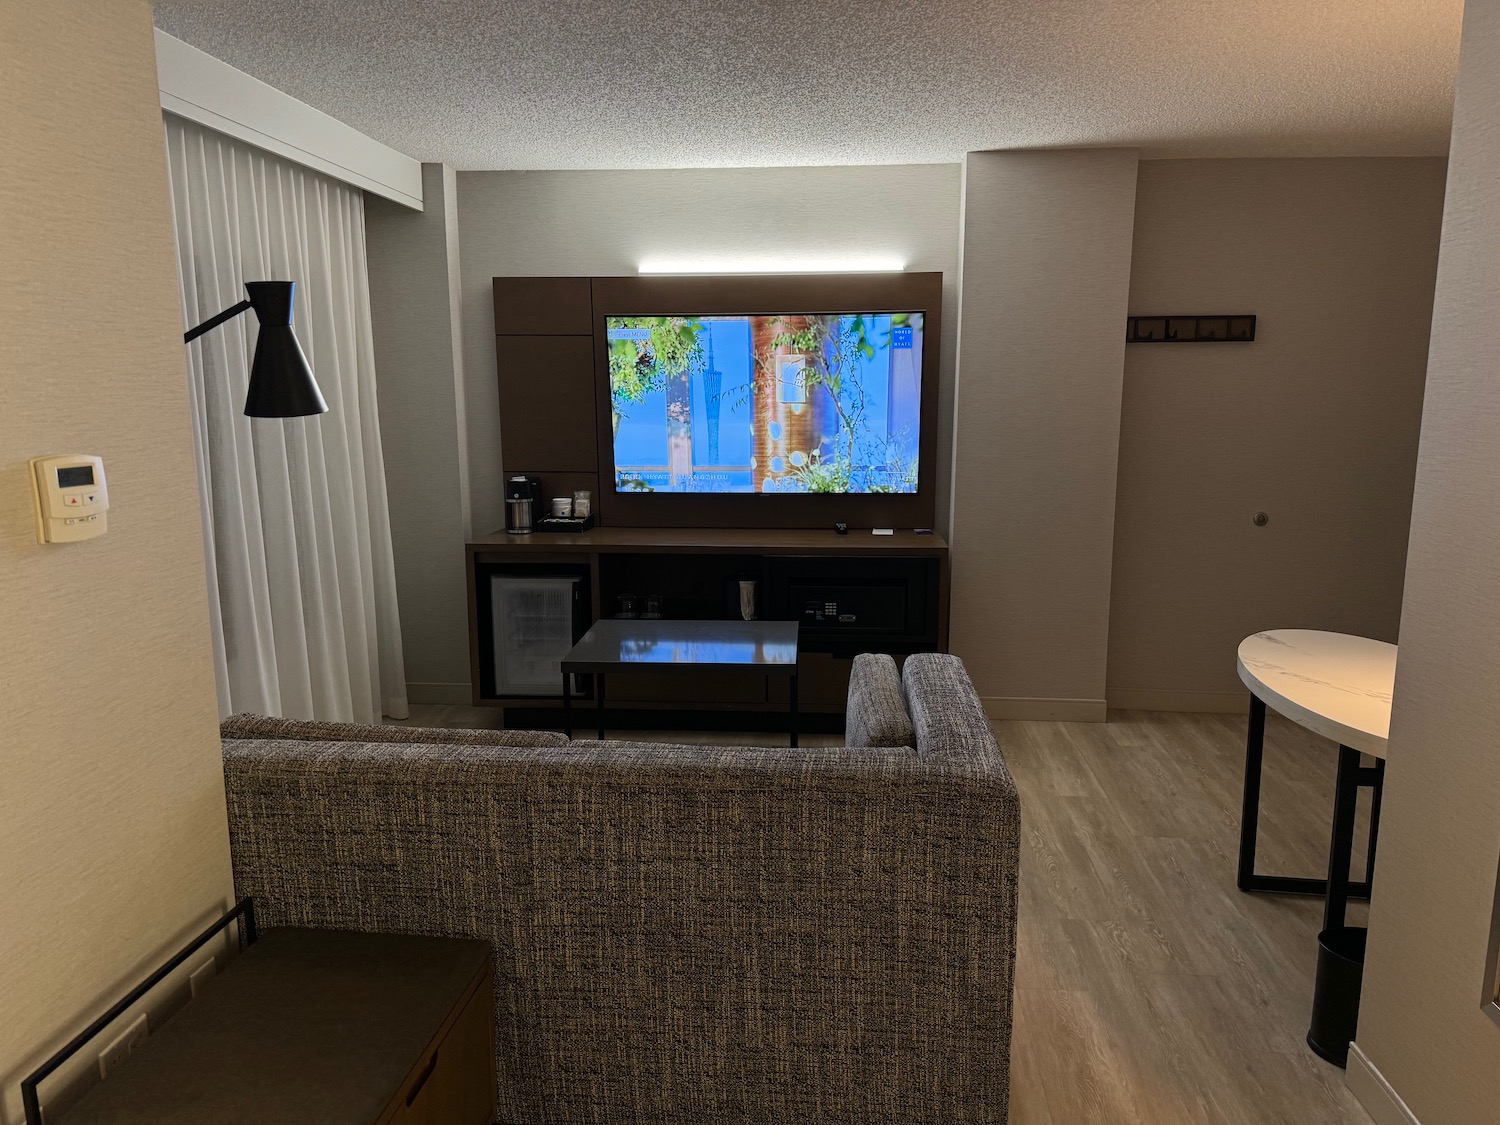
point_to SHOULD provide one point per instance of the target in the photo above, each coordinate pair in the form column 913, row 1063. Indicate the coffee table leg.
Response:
column 793, row 709
column 567, row 708
column 600, row 680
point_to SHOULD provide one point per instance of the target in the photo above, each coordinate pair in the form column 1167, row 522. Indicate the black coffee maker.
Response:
column 523, row 500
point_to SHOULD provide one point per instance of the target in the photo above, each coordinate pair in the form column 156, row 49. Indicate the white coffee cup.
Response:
column 562, row 506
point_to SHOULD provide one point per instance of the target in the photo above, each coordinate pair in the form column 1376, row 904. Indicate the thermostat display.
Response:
column 70, row 496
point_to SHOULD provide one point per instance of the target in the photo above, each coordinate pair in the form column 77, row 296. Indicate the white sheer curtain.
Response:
column 301, row 576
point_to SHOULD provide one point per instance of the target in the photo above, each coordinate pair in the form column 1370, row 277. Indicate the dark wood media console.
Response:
column 532, row 596
column 851, row 593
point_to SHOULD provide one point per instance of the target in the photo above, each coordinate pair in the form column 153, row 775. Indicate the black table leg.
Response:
column 599, row 681
column 1255, row 745
column 792, row 710
column 1246, row 877
column 1345, row 801
column 567, row 708
column 1340, row 849
column 1341, row 947
column 1377, row 788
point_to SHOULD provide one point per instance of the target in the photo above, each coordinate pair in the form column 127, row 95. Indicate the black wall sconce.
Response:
column 1236, row 329
column 281, row 380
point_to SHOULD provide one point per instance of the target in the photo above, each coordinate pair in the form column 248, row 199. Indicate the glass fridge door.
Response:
column 533, row 619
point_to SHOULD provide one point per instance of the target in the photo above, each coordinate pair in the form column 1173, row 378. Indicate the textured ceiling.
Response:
column 708, row 83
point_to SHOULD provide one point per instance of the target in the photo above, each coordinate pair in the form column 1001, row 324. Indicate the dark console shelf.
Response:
column 851, row 593
column 695, row 540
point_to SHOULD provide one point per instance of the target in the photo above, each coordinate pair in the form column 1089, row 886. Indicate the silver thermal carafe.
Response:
column 523, row 498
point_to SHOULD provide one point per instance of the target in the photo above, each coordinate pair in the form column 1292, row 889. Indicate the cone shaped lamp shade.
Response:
column 281, row 380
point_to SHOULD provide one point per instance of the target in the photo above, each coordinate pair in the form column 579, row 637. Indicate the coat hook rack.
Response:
column 1238, row 328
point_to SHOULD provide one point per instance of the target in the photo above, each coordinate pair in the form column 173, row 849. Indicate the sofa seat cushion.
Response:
column 248, row 726
column 877, row 714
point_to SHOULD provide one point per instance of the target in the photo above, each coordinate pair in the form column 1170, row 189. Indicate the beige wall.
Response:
column 601, row 223
column 1315, row 423
column 1421, row 1024
column 414, row 306
column 113, row 847
column 1046, row 267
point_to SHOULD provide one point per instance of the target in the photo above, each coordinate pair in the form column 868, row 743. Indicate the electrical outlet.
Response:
column 200, row 977
column 128, row 1040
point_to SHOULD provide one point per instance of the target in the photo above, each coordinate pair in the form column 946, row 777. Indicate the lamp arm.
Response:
column 214, row 321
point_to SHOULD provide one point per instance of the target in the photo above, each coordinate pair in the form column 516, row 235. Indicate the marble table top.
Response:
column 1334, row 684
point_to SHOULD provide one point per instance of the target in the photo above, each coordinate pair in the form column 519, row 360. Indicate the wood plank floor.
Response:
column 1148, row 988
column 1149, row 991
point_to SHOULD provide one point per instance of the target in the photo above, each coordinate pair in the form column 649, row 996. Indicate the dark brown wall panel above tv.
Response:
column 547, row 404
column 543, row 306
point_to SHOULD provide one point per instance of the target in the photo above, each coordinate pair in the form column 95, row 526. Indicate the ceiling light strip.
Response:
column 844, row 264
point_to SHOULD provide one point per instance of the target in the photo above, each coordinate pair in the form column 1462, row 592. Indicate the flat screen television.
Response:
column 767, row 401
column 782, row 403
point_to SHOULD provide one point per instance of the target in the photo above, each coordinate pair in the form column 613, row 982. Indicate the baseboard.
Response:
column 1045, row 710
column 1212, row 702
column 1379, row 1098
column 447, row 694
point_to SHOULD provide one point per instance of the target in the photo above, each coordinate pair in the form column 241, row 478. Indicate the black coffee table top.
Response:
column 615, row 646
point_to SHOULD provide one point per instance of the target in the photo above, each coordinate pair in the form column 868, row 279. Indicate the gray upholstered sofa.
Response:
column 689, row 935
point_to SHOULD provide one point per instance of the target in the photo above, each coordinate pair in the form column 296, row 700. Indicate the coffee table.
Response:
column 754, row 647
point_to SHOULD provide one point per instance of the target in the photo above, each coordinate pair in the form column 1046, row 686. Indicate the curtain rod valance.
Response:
column 206, row 90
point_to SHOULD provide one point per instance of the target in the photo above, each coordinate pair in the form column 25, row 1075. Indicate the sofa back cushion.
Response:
column 248, row 726
column 876, row 713
column 946, row 713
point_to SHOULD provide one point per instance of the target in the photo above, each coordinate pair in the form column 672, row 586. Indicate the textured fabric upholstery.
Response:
column 684, row 935
column 946, row 715
column 246, row 725
column 876, row 714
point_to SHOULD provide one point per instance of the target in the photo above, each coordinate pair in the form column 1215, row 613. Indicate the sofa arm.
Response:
column 946, row 713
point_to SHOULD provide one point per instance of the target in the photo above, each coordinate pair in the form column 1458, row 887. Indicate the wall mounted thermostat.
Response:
column 71, row 497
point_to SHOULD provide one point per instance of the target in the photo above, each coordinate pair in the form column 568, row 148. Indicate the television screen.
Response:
column 787, row 403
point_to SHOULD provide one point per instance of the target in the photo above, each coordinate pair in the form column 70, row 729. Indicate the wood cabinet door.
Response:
column 456, row 1085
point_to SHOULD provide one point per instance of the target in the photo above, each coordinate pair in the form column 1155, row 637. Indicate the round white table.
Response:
column 1338, row 686
column 1331, row 683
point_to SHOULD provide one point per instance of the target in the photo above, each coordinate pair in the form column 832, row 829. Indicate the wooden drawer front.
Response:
column 454, row 1084
column 702, row 686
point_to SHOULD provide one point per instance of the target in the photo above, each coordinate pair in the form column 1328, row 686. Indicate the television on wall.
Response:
column 794, row 401
column 803, row 402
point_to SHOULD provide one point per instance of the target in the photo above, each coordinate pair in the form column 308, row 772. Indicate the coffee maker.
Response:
column 523, row 499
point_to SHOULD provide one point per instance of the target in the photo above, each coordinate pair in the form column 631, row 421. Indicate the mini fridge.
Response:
column 527, row 616
column 534, row 621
